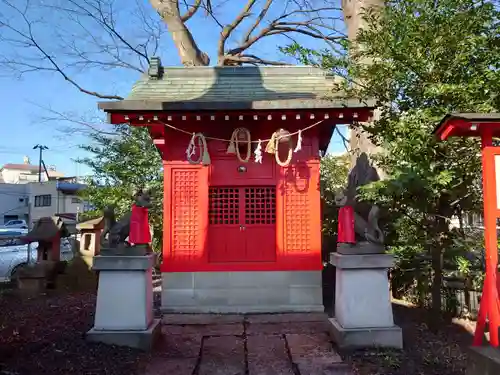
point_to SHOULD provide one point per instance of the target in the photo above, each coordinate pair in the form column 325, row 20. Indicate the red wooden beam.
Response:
column 338, row 115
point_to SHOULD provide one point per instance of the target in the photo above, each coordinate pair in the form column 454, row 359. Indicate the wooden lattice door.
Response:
column 242, row 224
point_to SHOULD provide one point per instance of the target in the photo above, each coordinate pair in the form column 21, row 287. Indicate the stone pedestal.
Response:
column 124, row 309
column 483, row 360
column 363, row 310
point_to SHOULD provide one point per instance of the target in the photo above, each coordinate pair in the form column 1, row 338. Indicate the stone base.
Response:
column 31, row 285
column 483, row 360
column 124, row 293
column 354, row 338
column 143, row 340
column 360, row 248
column 242, row 292
column 122, row 250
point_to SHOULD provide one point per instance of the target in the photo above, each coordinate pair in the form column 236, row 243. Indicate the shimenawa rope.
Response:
column 272, row 143
column 234, row 148
column 273, row 146
column 204, row 157
column 228, row 140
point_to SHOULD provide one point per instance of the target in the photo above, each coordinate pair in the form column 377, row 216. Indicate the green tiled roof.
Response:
column 235, row 84
column 233, row 88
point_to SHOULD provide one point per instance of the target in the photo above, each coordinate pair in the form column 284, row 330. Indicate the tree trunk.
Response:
column 353, row 15
column 188, row 50
column 353, row 18
column 437, row 271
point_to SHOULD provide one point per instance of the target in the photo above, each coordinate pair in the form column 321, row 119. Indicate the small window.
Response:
column 43, row 200
column 76, row 200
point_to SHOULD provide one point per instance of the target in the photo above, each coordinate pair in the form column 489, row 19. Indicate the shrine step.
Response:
column 242, row 292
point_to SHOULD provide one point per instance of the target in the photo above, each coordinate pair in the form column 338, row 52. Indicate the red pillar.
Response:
column 489, row 307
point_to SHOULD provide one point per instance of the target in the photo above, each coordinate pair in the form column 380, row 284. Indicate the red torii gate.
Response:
column 486, row 126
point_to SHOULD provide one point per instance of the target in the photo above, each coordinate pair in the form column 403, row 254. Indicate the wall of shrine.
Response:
column 241, row 216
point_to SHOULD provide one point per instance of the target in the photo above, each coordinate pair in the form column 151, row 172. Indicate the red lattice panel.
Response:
column 185, row 211
column 223, row 206
column 297, row 220
column 260, row 205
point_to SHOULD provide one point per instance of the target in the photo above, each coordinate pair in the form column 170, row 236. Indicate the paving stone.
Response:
column 179, row 346
column 161, row 366
column 204, row 330
column 222, row 356
column 287, row 328
column 201, row 319
column 287, row 318
column 312, row 349
column 267, row 355
column 312, row 368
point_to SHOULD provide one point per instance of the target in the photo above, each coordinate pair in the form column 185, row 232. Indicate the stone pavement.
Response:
column 275, row 344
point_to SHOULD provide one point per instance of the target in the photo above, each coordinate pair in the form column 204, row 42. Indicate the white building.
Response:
column 33, row 200
column 58, row 197
column 25, row 173
column 13, row 202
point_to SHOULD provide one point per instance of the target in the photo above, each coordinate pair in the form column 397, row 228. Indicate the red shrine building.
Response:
column 241, row 234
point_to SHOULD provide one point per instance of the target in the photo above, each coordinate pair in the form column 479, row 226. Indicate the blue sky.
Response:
column 27, row 101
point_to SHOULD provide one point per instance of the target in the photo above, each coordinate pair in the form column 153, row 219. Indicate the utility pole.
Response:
column 29, row 224
column 41, row 148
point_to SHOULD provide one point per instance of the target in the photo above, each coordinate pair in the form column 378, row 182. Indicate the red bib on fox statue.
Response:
column 346, row 232
column 139, row 226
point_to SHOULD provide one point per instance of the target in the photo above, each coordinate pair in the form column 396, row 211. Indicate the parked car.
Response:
column 14, row 254
column 15, row 224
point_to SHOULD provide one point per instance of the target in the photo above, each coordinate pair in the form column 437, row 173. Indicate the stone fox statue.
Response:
column 115, row 233
column 366, row 215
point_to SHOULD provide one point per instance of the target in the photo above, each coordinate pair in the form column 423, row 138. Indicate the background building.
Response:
column 24, row 173
column 23, row 197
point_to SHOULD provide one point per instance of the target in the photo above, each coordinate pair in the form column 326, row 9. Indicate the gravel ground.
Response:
column 45, row 335
column 424, row 353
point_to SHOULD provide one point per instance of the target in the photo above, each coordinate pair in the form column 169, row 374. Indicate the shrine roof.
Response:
column 90, row 224
column 234, row 88
column 467, row 125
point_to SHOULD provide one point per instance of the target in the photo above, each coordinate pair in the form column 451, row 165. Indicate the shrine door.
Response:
column 242, row 224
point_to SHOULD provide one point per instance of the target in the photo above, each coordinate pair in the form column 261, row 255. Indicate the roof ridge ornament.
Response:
column 155, row 70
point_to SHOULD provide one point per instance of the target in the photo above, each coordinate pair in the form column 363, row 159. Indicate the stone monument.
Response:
column 124, row 308
column 363, row 310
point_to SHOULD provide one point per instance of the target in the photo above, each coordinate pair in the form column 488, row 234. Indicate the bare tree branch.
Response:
column 252, row 59
column 29, row 40
column 229, row 29
column 191, row 11
column 87, row 37
column 345, row 141
column 258, row 20
column 95, row 10
column 313, row 27
column 83, row 126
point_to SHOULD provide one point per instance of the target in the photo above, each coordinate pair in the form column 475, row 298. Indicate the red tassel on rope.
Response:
column 346, row 225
